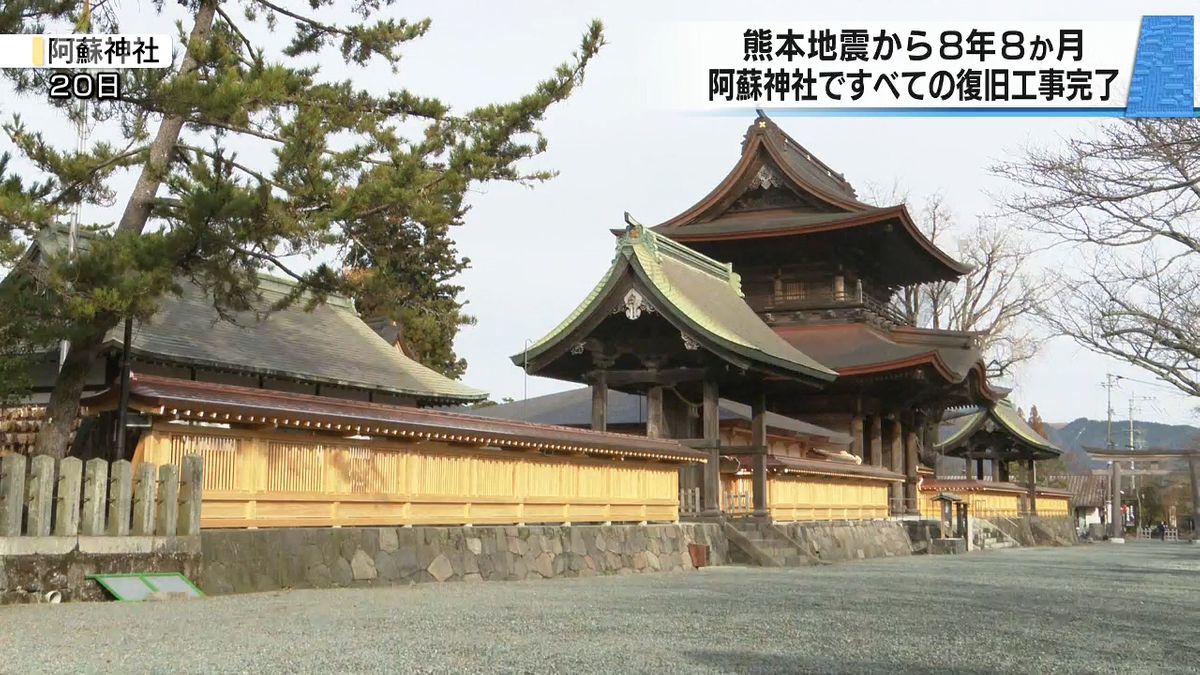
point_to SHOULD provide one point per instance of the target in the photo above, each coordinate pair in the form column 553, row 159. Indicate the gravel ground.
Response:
column 1099, row 608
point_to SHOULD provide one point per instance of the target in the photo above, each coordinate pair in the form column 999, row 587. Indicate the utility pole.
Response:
column 1110, row 382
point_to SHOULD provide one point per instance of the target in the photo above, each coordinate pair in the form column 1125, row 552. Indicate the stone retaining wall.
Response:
column 1039, row 531
column 32, row 566
column 238, row 561
column 851, row 540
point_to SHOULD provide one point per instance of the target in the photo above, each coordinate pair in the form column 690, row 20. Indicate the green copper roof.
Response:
column 703, row 294
column 1002, row 416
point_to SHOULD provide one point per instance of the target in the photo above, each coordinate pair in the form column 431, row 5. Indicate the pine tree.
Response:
column 376, row 177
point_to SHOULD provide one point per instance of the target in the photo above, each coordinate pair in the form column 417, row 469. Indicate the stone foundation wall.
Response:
column 32, row 566
column 1039, row 531
column 851, row 540
column 238, row 561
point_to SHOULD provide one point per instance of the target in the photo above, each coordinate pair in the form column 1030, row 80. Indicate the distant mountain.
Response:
column 1073, row 436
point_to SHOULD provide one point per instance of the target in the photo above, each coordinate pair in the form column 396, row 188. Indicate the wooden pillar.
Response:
column 856, row 435
column 897, row 466
column 1031, row 471
column 1194, row 468
column 758, row 438
column 978, row 469
column 875, row 449
column 1002, row 471
column 712, row 438
column 1118, row 523
column 655, row 424
column 600, row 402
column 910, row 471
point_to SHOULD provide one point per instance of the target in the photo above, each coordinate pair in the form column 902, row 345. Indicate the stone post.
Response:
column 758, row 439
column 1118, row 523
column 95, row 491
column 144, row 489
column 120, row 498
column 1193, row 461
column 191, row 482
column 168, row 501
column 66, row 517
column 12, row 494
column 41, row 495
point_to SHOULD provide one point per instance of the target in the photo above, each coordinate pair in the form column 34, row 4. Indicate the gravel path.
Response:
column 1100, row 608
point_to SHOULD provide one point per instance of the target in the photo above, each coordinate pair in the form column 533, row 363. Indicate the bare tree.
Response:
column 995, row 299
column 1126, row 200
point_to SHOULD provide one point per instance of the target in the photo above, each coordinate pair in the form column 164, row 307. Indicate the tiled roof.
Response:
column 222, row 403
column 574, row 408
column 1000, row 416
column 328, row 345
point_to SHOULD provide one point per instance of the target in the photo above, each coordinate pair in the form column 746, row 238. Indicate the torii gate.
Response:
column 1153, row 455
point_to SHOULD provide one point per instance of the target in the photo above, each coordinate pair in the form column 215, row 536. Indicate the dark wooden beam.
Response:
column 600, row 402
column 711, row 423
column 655, row 423
column 758, row 438
column 663, row 377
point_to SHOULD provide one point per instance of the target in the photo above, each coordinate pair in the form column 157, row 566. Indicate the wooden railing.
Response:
column 42, row 497
column 689, row 502
column 276, row 479
column 810, row 498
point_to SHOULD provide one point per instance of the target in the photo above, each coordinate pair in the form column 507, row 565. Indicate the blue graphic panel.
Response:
column 1163, row 79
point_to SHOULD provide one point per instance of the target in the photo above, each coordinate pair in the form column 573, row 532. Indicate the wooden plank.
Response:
column 145, row 489
column 41, row 496
column 12, row 494
column 120, row 498
column 70, row 480
column 95, row 492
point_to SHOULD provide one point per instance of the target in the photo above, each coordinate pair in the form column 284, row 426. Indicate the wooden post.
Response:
column 897, row 466
column 168, row 500
column 712, row 437
column 910, row 471
column 120, row 497
column 1032, row 471
column 12, row 494
column 66, row 517
column 191, row 482
column 1002, row 469
column 654, row 413
column 41, row 495
column 600, row 402
column 875, row 447
column 144, row 489
column 979, row 468
column 95, row 489
column 758, row 439
column 856, row 435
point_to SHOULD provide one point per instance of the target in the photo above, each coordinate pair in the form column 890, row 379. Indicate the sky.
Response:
column 536, row 252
